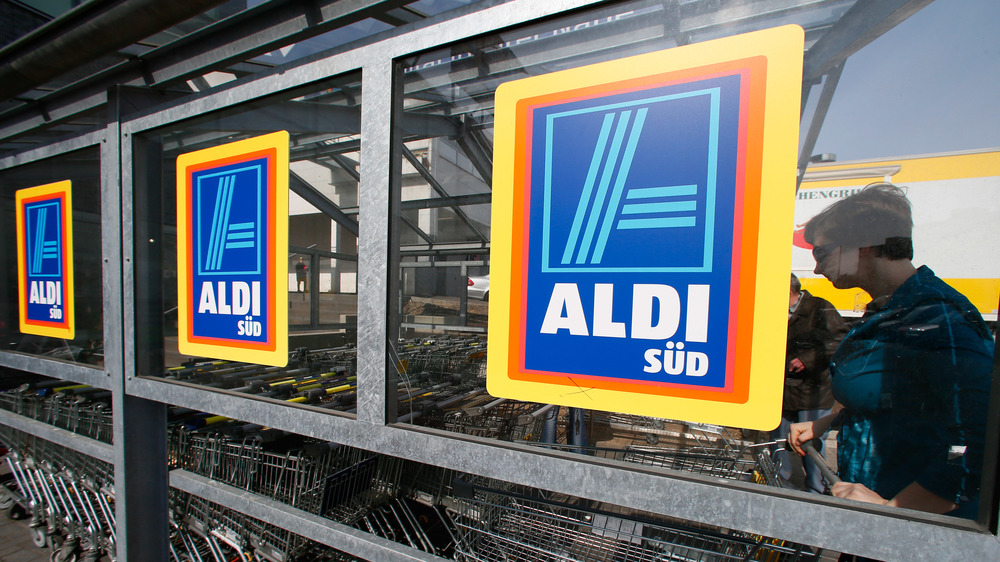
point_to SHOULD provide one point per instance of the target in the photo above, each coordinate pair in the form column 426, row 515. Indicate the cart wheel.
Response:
column 8, row 492
column 39, row 537
column 55, row 541
column 17, row 512
column 58, row 556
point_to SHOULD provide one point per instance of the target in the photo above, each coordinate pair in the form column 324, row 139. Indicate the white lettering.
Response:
column 642, row 312
column 656, row 312
column 248, row 327
column 604, row 294
column 224, row 308
column 565, row 296
column 696, row 329
column 241, row 297
column 673, row 360
column 697, row 364
column 207, row 301
column 676, row 361
column 652, row 357
column 245, row 298
column 255, row 298
column 33, row 296
column 53, row 292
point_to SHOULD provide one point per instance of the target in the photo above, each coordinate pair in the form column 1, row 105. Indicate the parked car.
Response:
column 479, row 287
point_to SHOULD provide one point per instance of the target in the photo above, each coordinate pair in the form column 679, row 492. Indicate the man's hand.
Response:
column 857, row 492
column 799, row 433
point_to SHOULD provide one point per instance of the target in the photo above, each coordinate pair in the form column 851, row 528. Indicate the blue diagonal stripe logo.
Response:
column 600, row 209
column 592, row 221
column 220, row 231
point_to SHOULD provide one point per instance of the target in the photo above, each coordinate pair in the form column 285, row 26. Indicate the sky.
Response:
column 929, row 85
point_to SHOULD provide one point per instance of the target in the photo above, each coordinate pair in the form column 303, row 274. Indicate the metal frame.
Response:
column 830, row 523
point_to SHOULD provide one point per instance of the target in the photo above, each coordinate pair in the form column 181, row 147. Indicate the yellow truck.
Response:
column 956, row 220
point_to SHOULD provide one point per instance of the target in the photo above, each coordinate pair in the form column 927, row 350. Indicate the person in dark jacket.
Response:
column 912, row 378
column 814, row 331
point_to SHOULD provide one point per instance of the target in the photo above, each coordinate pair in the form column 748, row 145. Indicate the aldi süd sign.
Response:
column 645, row 206
column 44, row 217
column 232, row 236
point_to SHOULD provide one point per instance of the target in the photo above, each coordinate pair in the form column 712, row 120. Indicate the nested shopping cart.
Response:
column 69, row 496
column 374, row 493
column 512, row 523
column 205, row 531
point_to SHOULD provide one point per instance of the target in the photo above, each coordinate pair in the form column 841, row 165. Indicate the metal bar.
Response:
column 862, row 24
column 825, row 522
column 436, row 186
column 346, row 164
column 820, row 460
column 321, row 253
column 375, row 388
column 452, row 201
column 312, row 527
column 449, row 28
column 141, row 478
column 54, row 149
column 819, row 116
column 78, row 373
column 68, row 439
column 474, row 146
column 140, row 452
column 84, row 35
column 302, row 188
column 416, row 229
column 256, row 32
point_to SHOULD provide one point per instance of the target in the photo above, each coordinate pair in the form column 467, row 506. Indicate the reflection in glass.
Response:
column 447, row 100
column 912, row 377
column 83, row 169
column 323, row 121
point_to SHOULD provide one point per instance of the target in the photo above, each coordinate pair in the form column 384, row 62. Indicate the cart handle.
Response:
column 824, row 468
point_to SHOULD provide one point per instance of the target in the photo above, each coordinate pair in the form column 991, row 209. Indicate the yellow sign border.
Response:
column 782, row 48
column 279, row 143
column 64, row 188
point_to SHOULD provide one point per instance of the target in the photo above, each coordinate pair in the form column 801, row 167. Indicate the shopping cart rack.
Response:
column 202, row 531
column 77, row 410
column 505, row 524
column 69, row 495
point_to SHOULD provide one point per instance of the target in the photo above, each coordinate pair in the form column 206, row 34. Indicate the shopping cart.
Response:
column 80, row 409
column 69, row 496
column 507, row 523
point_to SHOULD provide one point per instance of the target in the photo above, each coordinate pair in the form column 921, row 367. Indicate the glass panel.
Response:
column 323, row 121
column 925, row 427
column 83, row 169
column 432, row 509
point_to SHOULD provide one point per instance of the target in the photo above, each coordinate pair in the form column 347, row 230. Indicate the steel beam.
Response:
column 865, row 22
column 302, row 523
column 59, row 436
column 822, row 521
column 302, row 188
column 437, row 187
column 816, row 123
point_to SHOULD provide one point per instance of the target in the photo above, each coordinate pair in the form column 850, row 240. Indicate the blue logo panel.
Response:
column 632, row 201
column 229, row 245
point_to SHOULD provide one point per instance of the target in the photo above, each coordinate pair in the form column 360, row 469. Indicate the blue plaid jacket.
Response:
column 914, row 377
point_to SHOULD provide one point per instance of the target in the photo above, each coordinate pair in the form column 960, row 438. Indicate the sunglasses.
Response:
column 820, row 253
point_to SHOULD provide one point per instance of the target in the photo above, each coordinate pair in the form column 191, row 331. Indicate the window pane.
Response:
column 892, row 116
column 83, row 169
column 323, row 121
